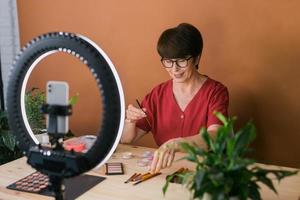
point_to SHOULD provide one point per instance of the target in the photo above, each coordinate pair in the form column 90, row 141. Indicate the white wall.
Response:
column 9, row 37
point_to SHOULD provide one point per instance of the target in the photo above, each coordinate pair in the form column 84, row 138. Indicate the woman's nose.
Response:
column 175, row 68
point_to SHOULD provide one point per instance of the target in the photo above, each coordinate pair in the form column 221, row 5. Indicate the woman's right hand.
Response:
column 134, row 114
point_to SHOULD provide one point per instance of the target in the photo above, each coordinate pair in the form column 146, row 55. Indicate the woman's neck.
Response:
column 190, row 86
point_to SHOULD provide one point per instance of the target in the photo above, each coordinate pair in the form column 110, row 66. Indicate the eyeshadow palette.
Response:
column 38, row 183
column 114, row 169
column 34, row 183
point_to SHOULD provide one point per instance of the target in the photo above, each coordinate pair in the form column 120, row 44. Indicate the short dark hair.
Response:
column 181, row 41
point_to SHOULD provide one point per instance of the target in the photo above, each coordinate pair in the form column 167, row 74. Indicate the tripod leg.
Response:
column 57, row 186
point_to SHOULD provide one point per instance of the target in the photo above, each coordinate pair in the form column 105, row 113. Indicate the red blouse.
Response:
column 169, row 121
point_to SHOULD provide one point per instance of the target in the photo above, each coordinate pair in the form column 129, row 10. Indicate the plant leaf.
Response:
column 8, row 140
column 230, row 147
column 191, row 150
column 187, row 147
column 243, row 138
column 254, row 191
column 207, row 139
column 187, row 178
column 3, row 121
column 190, row 157
column 265, row 180
column 221, row 117
column 280, row 174
column 169, row 178
column 73, row 100
column 199, row 178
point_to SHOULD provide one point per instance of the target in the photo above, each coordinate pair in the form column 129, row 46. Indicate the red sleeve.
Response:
column 146, row 103
column 218, row 102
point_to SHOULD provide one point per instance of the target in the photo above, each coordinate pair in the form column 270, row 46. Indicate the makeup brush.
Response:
column 147, row 177
column 132, row 177
column 140, row 106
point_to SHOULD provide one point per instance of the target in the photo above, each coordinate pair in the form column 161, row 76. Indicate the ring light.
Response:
column 107, row 80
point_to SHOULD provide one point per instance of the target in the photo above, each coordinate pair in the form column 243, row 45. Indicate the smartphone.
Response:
column 58, row 94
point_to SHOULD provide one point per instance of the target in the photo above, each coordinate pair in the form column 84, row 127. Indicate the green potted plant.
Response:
column 34, row 99
column 8, row 148
column 222, row 171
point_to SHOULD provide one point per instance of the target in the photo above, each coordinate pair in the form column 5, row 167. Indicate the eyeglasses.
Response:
column 181, row 62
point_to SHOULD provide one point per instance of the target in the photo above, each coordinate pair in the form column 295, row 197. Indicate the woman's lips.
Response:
column 178, row 75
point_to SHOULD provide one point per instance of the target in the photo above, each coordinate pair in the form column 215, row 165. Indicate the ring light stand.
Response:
column 57, row 162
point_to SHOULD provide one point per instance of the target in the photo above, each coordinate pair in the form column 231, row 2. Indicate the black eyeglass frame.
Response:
column 176, row 61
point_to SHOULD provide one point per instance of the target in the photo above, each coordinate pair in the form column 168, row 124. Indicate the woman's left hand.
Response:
column 164, row 155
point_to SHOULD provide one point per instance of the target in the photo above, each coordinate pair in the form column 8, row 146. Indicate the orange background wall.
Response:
column 253, row 47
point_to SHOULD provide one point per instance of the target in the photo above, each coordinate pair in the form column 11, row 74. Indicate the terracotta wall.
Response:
column 253, row 47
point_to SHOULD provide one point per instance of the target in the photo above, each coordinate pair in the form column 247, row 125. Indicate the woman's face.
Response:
column 180, row 69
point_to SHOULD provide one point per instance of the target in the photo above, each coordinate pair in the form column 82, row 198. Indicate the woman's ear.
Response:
column 196, row 61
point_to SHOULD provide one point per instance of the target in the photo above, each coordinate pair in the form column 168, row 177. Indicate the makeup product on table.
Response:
column 143, row 162
column 34, row 183
column 175, row 178
column 89, row 141
column 138, row 178
column 147, row 154
column 127, row 155
column 147, row 177
column 147, row 157
column 75, row 144
column 80, row 144
column 114, row 169
column 140, row 106
column 38, row 183
column 131, row 178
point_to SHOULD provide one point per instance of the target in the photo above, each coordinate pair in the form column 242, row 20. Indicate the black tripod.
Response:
column 55, row 161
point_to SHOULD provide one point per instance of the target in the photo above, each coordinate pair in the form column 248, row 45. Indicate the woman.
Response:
column 174, row 111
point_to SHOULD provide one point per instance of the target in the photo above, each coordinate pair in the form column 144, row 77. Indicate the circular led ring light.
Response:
column 103, row 71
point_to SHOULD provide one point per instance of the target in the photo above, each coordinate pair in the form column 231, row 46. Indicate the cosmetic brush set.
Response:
column 138, row 178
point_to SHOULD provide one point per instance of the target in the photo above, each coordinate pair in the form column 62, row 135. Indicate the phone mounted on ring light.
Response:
column 57, row 162
column 53, row 111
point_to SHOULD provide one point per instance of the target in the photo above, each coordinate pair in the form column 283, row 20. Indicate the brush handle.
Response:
column 147, row 177
column 140, row 106
column 131, row 177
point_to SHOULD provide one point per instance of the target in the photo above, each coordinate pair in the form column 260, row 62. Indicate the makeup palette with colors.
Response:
column 114, row 169
column 34, row 183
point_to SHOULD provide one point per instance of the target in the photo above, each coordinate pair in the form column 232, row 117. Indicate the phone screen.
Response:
column 58, row 94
